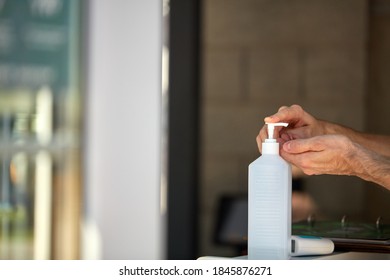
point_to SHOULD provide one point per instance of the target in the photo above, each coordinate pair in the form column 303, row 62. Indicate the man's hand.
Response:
column 326, row 154
column 301, row 125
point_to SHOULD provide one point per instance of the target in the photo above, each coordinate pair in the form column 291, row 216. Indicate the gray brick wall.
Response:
column 378, row 99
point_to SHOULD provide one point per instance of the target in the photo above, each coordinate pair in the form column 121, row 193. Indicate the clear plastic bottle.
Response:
column 269, row 203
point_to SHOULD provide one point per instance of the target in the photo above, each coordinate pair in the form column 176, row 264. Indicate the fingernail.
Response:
column 287, row 146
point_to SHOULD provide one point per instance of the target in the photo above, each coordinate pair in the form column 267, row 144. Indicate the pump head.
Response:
column 270, row 146
column 271, row 128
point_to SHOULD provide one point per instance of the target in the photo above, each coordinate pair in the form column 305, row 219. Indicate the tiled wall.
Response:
column 260, row 54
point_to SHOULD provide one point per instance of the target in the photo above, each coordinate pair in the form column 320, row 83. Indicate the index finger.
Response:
column 299, row 146
column 286, row 114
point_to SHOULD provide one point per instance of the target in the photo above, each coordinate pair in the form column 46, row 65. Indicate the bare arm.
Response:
column 372, row 167
column 377, row 143
column 337, row 155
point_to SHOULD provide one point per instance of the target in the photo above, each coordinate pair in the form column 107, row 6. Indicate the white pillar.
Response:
column 123, row 115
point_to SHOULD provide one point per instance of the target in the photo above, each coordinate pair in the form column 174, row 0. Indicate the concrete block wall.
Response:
column 378, row 98
column 258, row 55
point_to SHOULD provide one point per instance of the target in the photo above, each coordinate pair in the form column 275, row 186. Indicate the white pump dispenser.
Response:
column 269, row 202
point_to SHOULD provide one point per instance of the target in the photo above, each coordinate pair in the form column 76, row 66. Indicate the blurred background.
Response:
column 127, row 127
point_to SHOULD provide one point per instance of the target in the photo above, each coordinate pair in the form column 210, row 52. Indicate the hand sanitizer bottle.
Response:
column 269, row 203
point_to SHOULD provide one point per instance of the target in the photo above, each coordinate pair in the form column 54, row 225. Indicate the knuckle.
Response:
column 282, row 108
column 297, row 107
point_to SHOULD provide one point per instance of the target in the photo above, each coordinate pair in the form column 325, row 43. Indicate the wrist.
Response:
column 353, row 135
column 333, row 128
column 371, row 166
column 359, row 161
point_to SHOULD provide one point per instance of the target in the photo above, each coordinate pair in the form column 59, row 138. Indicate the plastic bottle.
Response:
column 269, row 203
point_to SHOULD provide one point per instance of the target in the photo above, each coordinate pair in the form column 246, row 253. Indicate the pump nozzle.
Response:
column 270, row 146
column 271, row 128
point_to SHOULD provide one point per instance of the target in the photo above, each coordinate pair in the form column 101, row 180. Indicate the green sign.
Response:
column 37, row 43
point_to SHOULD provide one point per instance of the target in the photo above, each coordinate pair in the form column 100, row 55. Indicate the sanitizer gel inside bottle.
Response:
column 269, row 203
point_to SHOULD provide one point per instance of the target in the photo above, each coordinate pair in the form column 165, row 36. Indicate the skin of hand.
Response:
column 326, row 154
column 320, row 147
column 301, row 125
column 337, row 155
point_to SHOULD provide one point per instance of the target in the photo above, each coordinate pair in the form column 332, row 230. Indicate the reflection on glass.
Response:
column 39, row 129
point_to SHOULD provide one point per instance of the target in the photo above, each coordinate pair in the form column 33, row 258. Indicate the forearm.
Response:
column 377, row 143
column 371, row 166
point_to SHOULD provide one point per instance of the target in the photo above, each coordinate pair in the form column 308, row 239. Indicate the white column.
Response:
column 123, row 114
